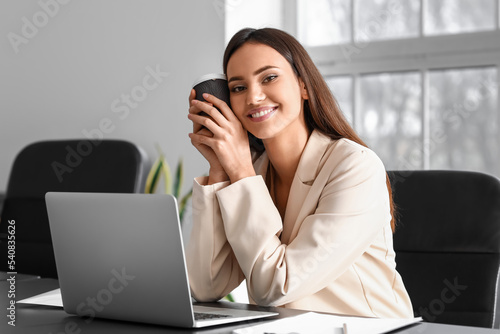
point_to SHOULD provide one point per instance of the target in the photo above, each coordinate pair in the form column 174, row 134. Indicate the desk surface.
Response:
column 46, row 319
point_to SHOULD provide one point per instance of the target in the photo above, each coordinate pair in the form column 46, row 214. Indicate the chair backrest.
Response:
column 113, row 166
column 447, row 244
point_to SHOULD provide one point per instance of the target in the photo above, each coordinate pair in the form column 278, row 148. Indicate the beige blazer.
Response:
column 333, row 251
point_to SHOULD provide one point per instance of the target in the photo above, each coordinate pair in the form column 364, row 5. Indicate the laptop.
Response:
column 121, row 257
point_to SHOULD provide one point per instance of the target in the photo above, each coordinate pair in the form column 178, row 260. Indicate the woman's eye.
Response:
column 270, row 78
column 237, row 89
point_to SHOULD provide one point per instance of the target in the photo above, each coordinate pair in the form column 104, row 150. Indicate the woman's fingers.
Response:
column 201, row 122
column 194, row 108
column 220, row 105
column 203, row 141
column 206, row 112
column 220, row 113
column 192, row 95
column 199, row 138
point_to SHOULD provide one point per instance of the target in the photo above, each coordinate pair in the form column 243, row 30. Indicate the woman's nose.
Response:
column 255, row 95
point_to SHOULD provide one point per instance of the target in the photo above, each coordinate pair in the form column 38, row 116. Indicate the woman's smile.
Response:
column 262, row 113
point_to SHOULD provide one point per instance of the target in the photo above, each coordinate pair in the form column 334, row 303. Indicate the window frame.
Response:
column 423, row 54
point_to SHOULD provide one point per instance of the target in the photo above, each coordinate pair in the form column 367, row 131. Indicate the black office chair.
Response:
column 447, row 244
column 65, row 165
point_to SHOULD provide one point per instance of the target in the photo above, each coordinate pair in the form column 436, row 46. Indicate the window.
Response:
column 325, row 22
column 457, row 16
column 389, row 114
column 387, row 19
column 418, row 79
column 463, row 119
column 341, row 87
column 328, row 22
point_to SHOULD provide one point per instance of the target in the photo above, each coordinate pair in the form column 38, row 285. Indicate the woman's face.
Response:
column 266, row 95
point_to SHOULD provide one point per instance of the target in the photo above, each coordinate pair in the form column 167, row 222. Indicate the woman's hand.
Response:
column 216, row 173
column 220, row 138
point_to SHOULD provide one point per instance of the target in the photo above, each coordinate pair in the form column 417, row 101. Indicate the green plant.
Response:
column 161, row 169
column 229, row 297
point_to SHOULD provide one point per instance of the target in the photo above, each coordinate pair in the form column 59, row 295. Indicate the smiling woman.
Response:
column 266, row 95
column 308, row 220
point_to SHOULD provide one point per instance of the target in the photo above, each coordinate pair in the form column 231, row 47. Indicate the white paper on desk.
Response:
column 50, row 298
column 315, row 323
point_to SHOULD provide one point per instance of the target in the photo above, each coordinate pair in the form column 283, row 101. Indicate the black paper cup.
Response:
column 214, row 84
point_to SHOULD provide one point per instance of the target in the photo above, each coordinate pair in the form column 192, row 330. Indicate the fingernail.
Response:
column 205, row 95
column 194, row 101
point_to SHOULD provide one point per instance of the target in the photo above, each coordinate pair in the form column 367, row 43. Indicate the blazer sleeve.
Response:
column 351, row 211
column 211, row 264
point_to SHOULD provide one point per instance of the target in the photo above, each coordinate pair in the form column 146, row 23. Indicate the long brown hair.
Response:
column 321, row 110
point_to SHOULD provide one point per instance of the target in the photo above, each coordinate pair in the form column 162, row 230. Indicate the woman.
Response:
column 308, row 219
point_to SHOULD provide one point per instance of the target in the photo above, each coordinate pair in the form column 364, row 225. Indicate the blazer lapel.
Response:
column 297, row 207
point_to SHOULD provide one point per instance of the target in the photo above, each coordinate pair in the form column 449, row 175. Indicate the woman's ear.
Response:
column 303, row 90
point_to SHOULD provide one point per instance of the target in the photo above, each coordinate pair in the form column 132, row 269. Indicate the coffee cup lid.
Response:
column 210, row 76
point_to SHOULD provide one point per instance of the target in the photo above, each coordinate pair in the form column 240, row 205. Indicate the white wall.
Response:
column 253, row 14
column 87, row 55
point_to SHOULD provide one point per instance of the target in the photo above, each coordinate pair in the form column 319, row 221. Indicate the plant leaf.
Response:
column 229, row 297
column 179, row 179
column 183, row 202
column 167, row 174
column 157, row 177
column 165, row 170
column 152, row 179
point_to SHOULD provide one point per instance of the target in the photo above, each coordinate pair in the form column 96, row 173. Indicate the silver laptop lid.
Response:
column 120, row 256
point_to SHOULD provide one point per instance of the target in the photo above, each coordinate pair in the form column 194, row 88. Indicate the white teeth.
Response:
column 262, row 113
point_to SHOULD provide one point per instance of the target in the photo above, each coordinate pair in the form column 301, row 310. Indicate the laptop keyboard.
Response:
column 207, row 316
